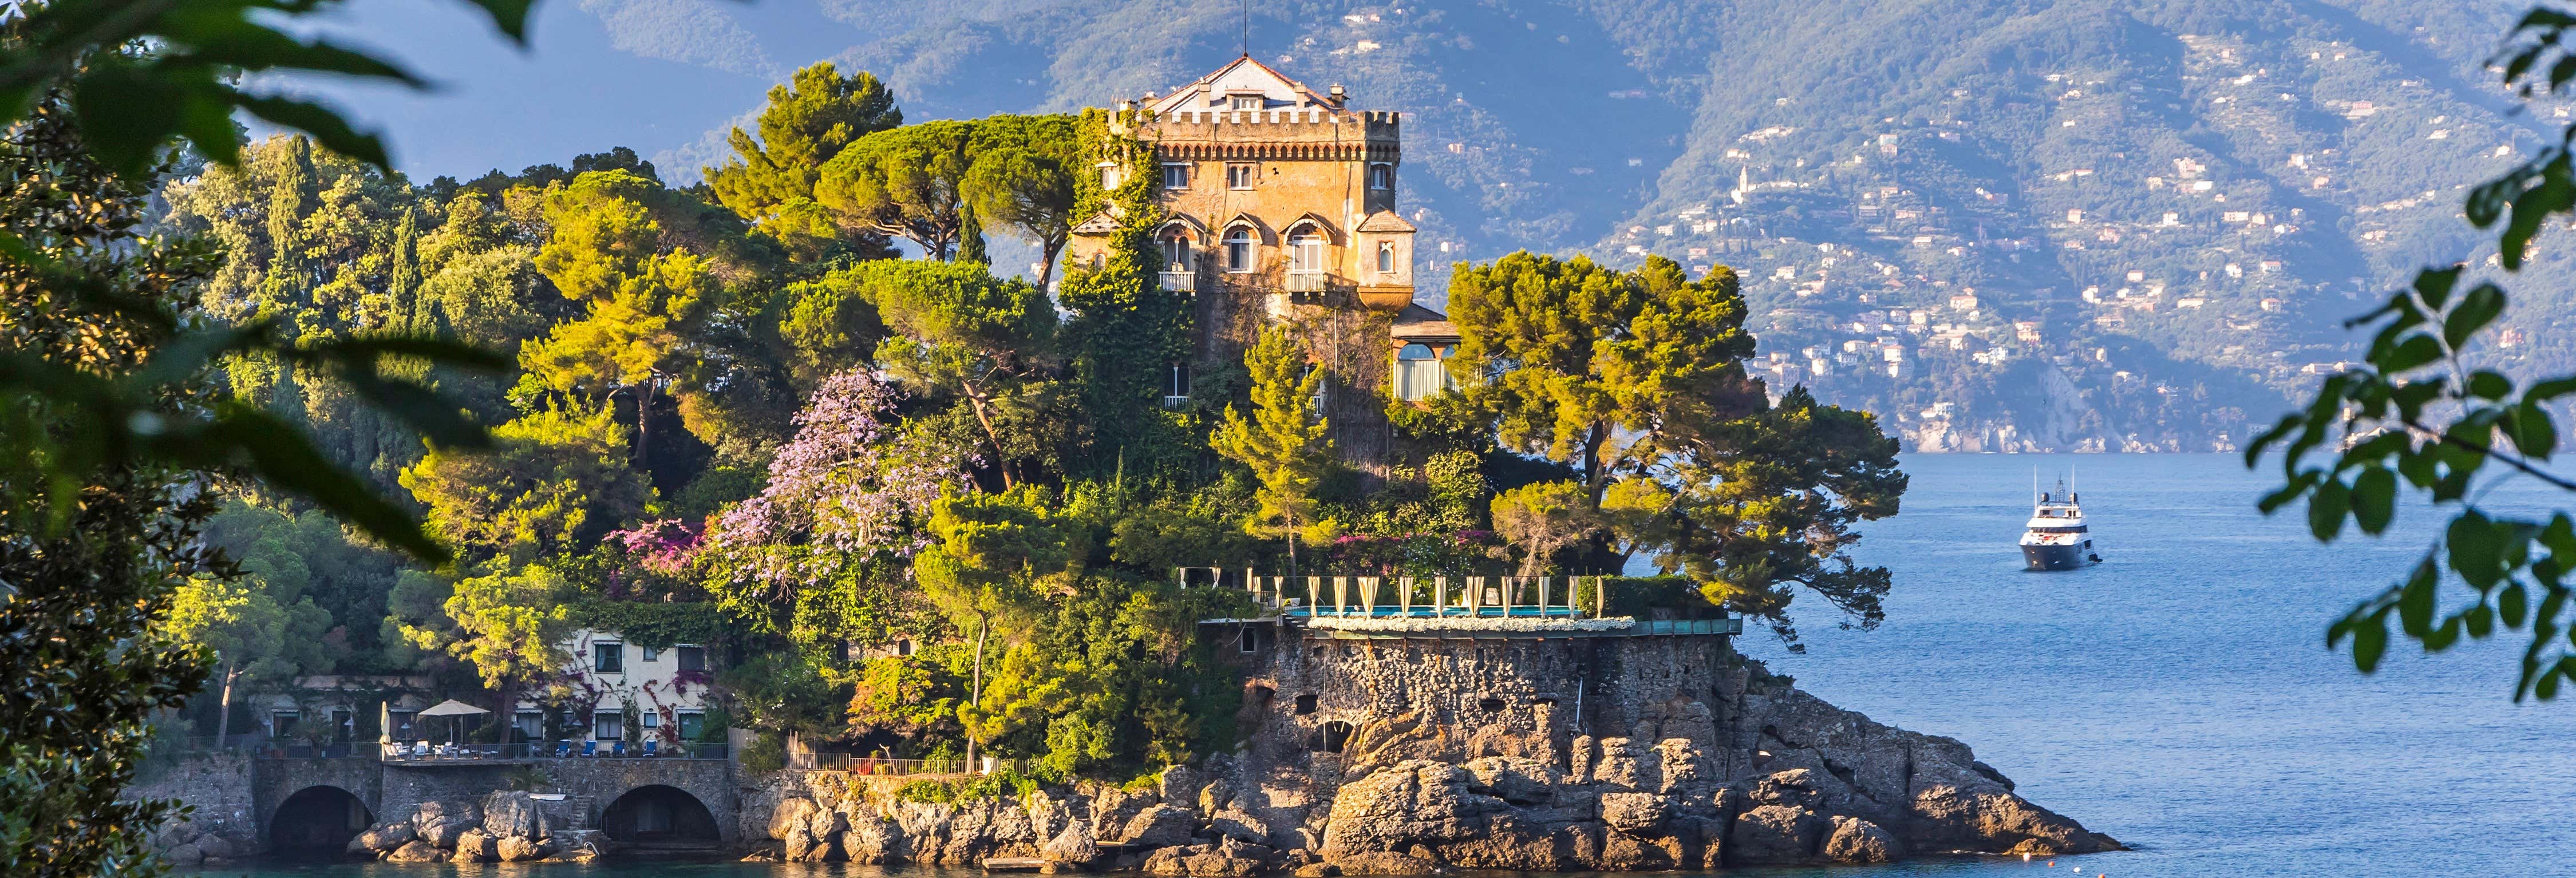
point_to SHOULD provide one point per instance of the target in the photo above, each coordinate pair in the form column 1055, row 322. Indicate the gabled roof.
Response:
column 1417, row 323
column 1243, row 75
column 1101, row 223
column 1385, row 221
column 1318, row 221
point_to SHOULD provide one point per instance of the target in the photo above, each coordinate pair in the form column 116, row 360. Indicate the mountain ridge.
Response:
column 2171, row 204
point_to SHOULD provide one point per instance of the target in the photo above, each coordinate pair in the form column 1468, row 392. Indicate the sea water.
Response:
column 2178, row 696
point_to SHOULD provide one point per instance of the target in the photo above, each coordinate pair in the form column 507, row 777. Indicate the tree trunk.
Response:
column 1596, row 480
column 224, row 719
column 975, row 694
column 1048, row 250
column 509, row 712
column 1001, row 460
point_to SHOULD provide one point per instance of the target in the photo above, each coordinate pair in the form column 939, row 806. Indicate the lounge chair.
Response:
column 563, row 749
column 617, row 748
column 589, row 749
column 652, row 748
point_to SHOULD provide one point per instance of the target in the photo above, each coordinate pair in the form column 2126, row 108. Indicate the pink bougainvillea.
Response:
column 665, row 546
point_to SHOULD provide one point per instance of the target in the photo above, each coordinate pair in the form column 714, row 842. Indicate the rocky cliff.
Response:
column 1767, row 774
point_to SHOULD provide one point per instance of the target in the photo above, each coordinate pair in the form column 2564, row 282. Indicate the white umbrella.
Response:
column 455, row 708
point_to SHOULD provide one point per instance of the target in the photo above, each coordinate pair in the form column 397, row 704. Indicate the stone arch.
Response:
column 316, row 822
column 656, row 815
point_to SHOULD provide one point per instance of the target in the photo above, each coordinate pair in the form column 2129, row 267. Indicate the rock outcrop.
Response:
column 1777, row 778
column 503, row 827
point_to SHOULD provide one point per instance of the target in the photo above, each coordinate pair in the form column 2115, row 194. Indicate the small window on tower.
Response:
column 1242, row 176
column 1386, row 257
column 1381, row 176
column 1176, row 176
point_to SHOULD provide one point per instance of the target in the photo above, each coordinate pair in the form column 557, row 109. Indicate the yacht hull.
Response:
column 2066, row 557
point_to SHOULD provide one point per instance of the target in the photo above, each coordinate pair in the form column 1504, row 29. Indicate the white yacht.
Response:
column 2057, row 538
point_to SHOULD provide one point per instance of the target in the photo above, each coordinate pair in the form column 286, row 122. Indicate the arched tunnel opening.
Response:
column 660, row 816
column 316, row 823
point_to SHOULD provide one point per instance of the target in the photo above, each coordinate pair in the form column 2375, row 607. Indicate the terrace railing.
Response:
column 880, row 766
column 1400, row 596
column 417, row 753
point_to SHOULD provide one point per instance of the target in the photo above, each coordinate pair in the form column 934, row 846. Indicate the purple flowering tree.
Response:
column 848, row 499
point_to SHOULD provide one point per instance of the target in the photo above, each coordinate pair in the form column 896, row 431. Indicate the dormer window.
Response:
column 1381, row 175
column 1245, row 102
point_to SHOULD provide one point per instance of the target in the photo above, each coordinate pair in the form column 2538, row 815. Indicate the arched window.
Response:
column 1176, row 250
column 1306, row 252
column 1240, row 249
column 1421, row 371
column 1386, row 257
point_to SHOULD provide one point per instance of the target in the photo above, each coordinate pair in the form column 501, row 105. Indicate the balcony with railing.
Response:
column 1178, row 281
column 1307, row 280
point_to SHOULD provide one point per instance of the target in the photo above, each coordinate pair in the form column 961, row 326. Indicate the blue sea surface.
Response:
column 2178, row 696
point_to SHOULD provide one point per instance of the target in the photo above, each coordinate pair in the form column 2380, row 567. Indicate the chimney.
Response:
column 1339, row 95
column 1126, row 106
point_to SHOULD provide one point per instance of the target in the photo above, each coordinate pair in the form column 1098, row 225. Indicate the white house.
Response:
column 665, row 686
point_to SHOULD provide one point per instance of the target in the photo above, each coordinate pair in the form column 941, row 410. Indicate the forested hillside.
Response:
column 2162, row 210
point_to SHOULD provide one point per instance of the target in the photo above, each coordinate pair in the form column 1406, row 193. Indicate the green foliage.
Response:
column 1116, row 677
column 906, row 182
column 1027, row 175
column 912, row 698
column 808, row 121
column 129, row 104
column 509, row 626
column 556, row 479
column 655, row 624
column 1197, row 528
column 2421, row 409
column 526, row 778
column 1543, row 519
column 1634, row 381
column 986, row 345
column 1127, row 331
column 928, row 792
column 254, row 637
column 767, row 752
column 782, row 691
column 995, row 555
column 1285, row 442
column 112, row 435
column 1639, row 596
column 311, row 556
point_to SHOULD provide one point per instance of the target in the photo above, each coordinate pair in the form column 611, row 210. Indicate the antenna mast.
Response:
column 1247, row 28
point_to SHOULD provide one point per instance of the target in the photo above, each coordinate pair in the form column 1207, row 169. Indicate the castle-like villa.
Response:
column 1283, row 208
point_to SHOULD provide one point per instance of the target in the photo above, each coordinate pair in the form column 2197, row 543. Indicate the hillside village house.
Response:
column 665, row 687
column 606, row 674
column 1283, row 209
